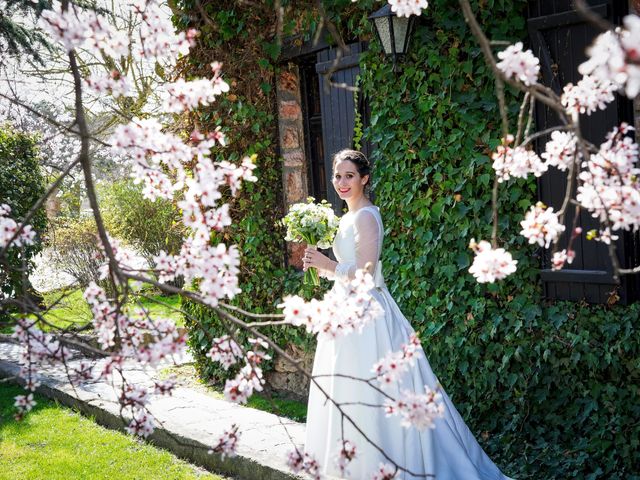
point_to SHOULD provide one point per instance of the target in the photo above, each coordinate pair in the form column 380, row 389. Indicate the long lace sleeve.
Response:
column 367, row 240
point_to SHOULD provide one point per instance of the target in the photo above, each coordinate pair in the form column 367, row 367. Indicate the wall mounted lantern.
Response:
column 393, row 32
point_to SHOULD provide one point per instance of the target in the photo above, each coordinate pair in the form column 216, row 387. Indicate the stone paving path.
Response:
column 191, row 420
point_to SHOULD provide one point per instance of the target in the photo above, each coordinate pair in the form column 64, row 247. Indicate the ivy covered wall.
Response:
column 550, row 389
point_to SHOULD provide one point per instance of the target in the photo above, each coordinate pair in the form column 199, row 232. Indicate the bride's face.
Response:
column 347, row 181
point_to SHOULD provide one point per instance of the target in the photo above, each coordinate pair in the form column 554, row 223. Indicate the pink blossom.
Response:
column 113, row 84
column 225, row 350
column 345, row 456
column 158, row 39
column 76, row 28
column 23, row 404
column 341, row 311
column 227, row 443
column 298, row 462
column 390, row 368
column 218, row 136
column 166, row 266
column 68, row 27
column 9, row 227
column 82, row 373
column 559, row 259
column 39, row 347
column 417, row 410
column 490, row 264
column 385, row 472
column 605, row 236
column 188, row 95
column 609, row 182
column 134, row 396
column 295, row 311
column 248, row 380
column 141, row 424
column 541, row 225
column 519, row 64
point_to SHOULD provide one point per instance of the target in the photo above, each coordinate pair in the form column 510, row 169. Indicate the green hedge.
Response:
column 550, row 389
column 21, row 185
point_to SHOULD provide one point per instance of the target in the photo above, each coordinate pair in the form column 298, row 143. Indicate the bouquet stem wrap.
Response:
column 311, row 276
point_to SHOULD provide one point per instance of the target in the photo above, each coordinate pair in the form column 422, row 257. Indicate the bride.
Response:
column 449, row 451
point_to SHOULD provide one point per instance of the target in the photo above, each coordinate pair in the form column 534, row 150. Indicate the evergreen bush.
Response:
column 21, row 185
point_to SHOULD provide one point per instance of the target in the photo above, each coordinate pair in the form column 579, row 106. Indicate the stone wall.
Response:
column 284, row 378
column 291, row 142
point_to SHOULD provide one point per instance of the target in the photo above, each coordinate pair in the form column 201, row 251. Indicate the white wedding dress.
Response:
column 449, row 451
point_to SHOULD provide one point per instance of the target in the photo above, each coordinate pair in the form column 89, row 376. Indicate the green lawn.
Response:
column 160, row 306
column 53, row 442
column 68, row 309
column 283, row 407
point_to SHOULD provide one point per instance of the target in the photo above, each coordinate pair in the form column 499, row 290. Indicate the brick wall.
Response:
column 291, row 140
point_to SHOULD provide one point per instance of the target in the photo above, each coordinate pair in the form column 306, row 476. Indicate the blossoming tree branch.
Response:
column 605, row 175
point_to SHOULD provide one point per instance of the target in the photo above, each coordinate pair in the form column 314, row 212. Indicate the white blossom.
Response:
column 517, row 163
column 406, row 8
column 519, row 64
column 389, row 369
column 560, row 150
column 490, row 264
column 341, row 311
column 560, row 258
column 9, row 228
column 588, row 95
column 610, row 187
column 346, row 453
column 614, row 57
column 541, row 225
column 225, row 350
column 23, row 404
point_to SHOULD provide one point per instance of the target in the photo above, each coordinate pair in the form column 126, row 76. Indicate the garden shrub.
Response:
column 75, row 249
column 149, row 226
column 21, row 185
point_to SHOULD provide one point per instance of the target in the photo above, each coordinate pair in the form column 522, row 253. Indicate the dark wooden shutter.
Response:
column 559, row 37
column 337, row 105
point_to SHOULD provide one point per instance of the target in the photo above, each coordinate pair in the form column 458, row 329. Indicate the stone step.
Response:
column 189, row 420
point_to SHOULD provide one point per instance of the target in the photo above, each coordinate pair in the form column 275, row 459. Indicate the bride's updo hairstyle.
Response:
column 359, row 159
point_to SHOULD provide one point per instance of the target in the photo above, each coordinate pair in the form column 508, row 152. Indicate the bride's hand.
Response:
column 313, row 258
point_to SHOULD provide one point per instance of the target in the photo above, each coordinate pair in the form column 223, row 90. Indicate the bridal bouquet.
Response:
column 313, row 223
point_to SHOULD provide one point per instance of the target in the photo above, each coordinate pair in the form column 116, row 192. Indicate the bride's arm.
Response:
column 367, row 243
